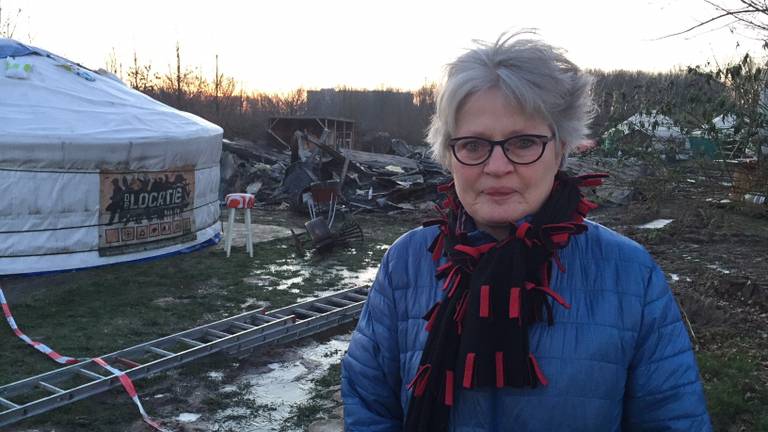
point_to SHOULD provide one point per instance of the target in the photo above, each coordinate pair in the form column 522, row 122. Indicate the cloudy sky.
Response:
column 277, row 46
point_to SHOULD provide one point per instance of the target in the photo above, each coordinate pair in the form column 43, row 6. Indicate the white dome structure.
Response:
column 93, row 172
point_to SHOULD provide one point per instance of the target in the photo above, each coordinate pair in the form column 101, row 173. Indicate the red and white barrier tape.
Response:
column 128, row 385
column 58, row 358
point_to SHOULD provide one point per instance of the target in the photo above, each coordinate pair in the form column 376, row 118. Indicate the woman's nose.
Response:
column 498, row 162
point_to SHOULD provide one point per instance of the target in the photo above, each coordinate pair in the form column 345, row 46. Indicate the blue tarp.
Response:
column 11, row 48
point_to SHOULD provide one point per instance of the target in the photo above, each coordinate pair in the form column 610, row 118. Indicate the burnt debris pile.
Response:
column 309, row 173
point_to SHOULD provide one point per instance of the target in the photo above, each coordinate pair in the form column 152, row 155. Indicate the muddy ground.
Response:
column 715, row 254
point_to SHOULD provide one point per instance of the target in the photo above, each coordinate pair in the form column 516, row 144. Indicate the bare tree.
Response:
column 8, row 22
column 140, row 76
column 176, row 82
column 113, row 65
column 752, row 14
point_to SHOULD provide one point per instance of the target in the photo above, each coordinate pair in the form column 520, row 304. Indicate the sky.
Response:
column 277, row 46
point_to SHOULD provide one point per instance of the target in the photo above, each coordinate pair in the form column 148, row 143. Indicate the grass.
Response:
column 99, row 311
column 734, row 390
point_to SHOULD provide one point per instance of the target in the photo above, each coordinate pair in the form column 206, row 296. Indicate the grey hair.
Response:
column 536, row 77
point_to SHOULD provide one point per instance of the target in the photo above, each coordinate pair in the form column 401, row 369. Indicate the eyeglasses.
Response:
column 520, row 149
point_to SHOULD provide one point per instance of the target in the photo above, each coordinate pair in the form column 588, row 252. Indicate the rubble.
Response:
column 364, row 181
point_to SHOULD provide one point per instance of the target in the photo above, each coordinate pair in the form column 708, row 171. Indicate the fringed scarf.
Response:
column 478, row 332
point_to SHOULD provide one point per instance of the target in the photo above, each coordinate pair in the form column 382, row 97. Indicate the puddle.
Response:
column 281, row 384
column 718, row 268
column 215, row 375
column 187, row 417
column 656, row 224
column 313, row 276
column 252, row 303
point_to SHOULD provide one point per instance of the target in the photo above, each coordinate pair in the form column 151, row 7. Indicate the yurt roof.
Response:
column 652, row 124
column 62, row 115
column 724, row 121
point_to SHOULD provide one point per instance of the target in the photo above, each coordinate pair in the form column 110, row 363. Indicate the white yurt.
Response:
column 653, row 124
column 93, row 172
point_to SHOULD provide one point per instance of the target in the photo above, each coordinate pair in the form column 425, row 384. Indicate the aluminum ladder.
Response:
column 237, row 335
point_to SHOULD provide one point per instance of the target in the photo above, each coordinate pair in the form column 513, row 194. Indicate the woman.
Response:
column 513, row 312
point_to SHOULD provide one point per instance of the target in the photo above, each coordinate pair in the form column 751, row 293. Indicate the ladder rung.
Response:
column 218, row 333
column 242, row 325
column 126, row 362
column 356, row 297
column 306, row 312
column 324, row 307
column 192, row 342
column 89, row 374
column 8, row 404
column 266, row 318
column 341, row 302
column 159, row 351
column 50, row 388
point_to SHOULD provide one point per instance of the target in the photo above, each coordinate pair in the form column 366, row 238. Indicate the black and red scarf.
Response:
column 478, row 332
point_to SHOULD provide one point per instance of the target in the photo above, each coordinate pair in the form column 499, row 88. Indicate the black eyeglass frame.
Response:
column 501, row 143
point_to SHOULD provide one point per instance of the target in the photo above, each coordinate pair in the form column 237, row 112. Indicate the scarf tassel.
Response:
column 499, row 369
column 537, row 370
column 548, row 291
column 585, row 206
column 560, row 266
column 474, row 251
column 447, row 187
column 560, row 240
column 449, row 280
column 431, row 316
column 448, row 401
column 591, row 180
column 419, row 382
column 457, row 280
column 469, row 370
column 514, row 303
column 437, row 246
column 485, row 301
column 521, row 231
column 461, row 309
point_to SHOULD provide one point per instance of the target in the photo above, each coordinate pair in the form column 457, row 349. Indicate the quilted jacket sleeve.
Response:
column 370, row 379
column 663, row 392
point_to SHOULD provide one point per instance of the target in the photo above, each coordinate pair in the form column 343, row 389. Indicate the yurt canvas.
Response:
column 93, row 172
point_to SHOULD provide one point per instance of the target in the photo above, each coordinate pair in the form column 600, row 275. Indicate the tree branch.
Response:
column 701, row 24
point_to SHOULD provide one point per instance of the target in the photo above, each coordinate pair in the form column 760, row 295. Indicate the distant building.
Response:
column 372, row 110
column 651, row 132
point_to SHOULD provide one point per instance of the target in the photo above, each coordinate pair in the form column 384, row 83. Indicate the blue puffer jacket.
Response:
column 618, row 359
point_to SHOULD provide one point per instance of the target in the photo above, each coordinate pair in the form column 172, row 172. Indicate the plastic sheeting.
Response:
column 11, row 48
column 61, row 128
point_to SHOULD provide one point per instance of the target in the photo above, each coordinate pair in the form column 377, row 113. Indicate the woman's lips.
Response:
column 499, row 192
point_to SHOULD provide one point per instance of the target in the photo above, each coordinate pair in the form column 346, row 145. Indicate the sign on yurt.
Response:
column 93, row 172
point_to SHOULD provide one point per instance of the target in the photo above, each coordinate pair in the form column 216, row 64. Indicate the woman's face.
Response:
column 498, row 192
